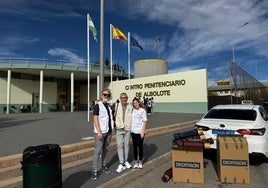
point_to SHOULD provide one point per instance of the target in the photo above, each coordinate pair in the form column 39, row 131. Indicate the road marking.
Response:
column 88, row 138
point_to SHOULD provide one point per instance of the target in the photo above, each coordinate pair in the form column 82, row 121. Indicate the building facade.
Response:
column 41, row 86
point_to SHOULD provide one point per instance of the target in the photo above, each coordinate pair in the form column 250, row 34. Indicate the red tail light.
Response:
column 204, row 128
column 257, row 132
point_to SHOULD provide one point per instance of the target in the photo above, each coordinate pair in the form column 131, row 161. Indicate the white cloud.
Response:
column 184, row 69
column 67, row 55
column 40, row 10
column 151, row 44
column 10, row 44
column 206, row 27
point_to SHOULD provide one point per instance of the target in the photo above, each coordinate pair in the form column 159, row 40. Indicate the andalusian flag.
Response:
column 92, row 28
column 117, row 34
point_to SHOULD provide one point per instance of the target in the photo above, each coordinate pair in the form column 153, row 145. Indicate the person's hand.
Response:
column 100, row 136
column 142, row 134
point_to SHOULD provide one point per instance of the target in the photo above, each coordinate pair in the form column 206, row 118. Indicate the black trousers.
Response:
column 137, row 145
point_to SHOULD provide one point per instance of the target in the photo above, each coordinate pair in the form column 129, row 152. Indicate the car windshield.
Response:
column 265, row 104
column 237, row 114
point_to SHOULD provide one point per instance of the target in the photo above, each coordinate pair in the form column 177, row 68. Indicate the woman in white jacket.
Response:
column 138, row 125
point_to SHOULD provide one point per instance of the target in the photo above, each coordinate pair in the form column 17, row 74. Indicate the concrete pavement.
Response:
column 18, row 131
column 153, row 148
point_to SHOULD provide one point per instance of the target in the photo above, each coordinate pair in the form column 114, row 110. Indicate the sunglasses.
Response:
column 106, row 95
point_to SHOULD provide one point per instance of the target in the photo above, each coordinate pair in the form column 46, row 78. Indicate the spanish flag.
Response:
column 117, row 34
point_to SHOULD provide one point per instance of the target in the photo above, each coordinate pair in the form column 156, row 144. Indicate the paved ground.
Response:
column 80, row 176
column 156, row 168
column 157, row 159
column 18, row 131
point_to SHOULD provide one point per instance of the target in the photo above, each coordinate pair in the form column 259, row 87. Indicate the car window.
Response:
column 263, row 113
column 237, row 114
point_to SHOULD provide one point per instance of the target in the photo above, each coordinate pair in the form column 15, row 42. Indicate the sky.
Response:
column 195, row 34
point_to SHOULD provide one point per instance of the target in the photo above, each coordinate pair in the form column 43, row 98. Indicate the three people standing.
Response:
column 128, row 120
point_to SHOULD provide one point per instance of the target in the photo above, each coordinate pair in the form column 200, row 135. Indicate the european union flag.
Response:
column 134, row 42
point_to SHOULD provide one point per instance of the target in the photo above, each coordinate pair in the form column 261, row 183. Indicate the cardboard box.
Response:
column 187, row 165
column 233, row 159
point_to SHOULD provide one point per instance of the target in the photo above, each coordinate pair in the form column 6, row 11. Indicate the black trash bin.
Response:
column 41, row 166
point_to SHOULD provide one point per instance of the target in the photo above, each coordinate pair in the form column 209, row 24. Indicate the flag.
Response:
column 92, row 28
column 134, row 42
column 117, row 34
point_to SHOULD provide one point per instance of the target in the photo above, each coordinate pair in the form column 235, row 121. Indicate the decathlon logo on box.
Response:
column 183, row 164
column 228, row 162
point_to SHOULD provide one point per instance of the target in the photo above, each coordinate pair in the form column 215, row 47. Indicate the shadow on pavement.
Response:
column 77, row 179
column 113, row 159
column 149, row 150
column 10, row 122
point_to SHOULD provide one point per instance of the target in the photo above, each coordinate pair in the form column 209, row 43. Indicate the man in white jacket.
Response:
column 103, row 127
column 123, row 112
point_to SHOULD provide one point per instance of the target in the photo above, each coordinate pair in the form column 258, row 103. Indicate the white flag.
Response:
column 92, row 28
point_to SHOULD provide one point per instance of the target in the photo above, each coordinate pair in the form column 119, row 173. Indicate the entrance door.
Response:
column 35, row 102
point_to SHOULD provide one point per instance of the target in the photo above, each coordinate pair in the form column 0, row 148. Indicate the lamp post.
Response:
column 256, row 70
column 233, row 37
column 233, row 60
column 158, row 40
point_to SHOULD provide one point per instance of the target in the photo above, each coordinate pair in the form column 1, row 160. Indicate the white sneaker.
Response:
column 140, row 165
column 136, row 164
column 127, row 165
column 120, row 168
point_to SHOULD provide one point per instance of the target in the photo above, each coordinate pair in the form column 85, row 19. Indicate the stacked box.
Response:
column 233, row 159
column 187, row 165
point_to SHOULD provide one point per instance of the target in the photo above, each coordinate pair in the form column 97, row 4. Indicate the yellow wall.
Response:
column 93, row 92
column 21, row 91
column 190, row 86
column 3, row 91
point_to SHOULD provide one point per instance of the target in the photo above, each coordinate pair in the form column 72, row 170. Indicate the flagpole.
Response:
column 128, row 46
column 88, row 77
column 101, row 46
column 111, row 52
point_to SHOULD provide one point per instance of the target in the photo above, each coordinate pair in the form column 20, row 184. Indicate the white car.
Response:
column 247, row 120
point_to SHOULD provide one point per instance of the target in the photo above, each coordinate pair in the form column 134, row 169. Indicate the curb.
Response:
column 129, row 177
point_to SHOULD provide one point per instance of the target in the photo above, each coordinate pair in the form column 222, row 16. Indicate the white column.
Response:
column 8, row 90
column 72, row 92
column 41, row 92
column 88, row 94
